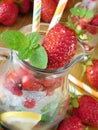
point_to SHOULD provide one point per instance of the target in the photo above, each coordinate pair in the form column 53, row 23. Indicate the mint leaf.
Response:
column 13, row 39
column 38, row 58
column 24, row 53
column 27, row 47
column 33, row 39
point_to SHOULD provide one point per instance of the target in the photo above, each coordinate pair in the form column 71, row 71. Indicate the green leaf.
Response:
column 75, row 11
column 13, row 39
column 24, row 53
column 89, row 14
column 82, row 12
column 38, row 58
column 33, row 39
column 74, row 102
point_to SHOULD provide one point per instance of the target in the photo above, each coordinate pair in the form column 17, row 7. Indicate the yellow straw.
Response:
column 83, row 86
column 58, row 13
column 36, row 15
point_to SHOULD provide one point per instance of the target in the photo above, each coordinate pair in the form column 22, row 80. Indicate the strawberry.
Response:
column 92, row 73
column 24, row 6
column 92, row 29
column 60, row 44
column 8, row 12
column 95, row 20
column 71, row 123
column 29, row 103
column 29, row 83
column 87, row 110
column 14, row 88
column 47, row 10
column 13, row 83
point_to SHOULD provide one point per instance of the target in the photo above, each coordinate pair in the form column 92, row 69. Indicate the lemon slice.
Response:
column 20, row 120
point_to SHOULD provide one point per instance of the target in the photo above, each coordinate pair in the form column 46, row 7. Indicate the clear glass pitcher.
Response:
column 26, row 88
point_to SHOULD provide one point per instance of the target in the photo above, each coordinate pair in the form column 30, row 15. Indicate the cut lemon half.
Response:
column 20, row 120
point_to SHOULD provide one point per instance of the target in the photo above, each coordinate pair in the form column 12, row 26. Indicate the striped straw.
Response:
column 58, row 13
column 83, row 86
column 36, row 15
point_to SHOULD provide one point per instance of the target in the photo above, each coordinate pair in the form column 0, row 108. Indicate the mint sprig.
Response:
column 82, row 12
column 28, row 47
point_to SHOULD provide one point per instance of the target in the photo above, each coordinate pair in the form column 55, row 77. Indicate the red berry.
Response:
column 29, row 103
column 24, row 6
column 60, row 44
column 92, row 74
column 14, row 88
column 8, row 13
column 92, row 29
column 13, row 83
column 87, row 110
column 47, row 10
column 71, row 123
column 29, row 83
column 95, row 20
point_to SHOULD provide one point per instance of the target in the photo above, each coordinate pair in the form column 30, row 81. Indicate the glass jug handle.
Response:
column 5, row 56
column 4, row 53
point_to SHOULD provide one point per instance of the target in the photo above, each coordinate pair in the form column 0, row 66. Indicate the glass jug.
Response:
column 26, row 88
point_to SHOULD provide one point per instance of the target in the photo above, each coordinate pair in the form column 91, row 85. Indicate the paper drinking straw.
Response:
column 58, row 13
column 73, row 90
column 36, row 15
column 83, row 86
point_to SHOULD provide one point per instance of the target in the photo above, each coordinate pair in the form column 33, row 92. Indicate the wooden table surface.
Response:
column 23, row 20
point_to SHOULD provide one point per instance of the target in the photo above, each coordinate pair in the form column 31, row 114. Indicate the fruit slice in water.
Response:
column 20, row 120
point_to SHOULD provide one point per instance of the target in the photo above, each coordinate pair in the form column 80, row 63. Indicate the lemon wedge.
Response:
column 20, row 120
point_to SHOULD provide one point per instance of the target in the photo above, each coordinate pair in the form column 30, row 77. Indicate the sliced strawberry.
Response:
column 47, row 82
column 92, row 29
column 29, row 103
column 30, row 84
column 14, row 88
column 95, row 20
column 14, row 76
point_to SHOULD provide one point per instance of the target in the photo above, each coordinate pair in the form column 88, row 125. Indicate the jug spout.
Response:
column 79, row 58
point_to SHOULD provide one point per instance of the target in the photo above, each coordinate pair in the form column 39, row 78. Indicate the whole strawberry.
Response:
column 92, row 73
column 60, row 44
column 8, row 12
column 71, row 123
column 47, row 10
column 87, row 110
column 24, row 6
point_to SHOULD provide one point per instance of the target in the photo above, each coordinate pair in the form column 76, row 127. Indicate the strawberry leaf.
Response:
column 82, row 12
column 74, row 102
column 38, row 58
column 89, row 14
